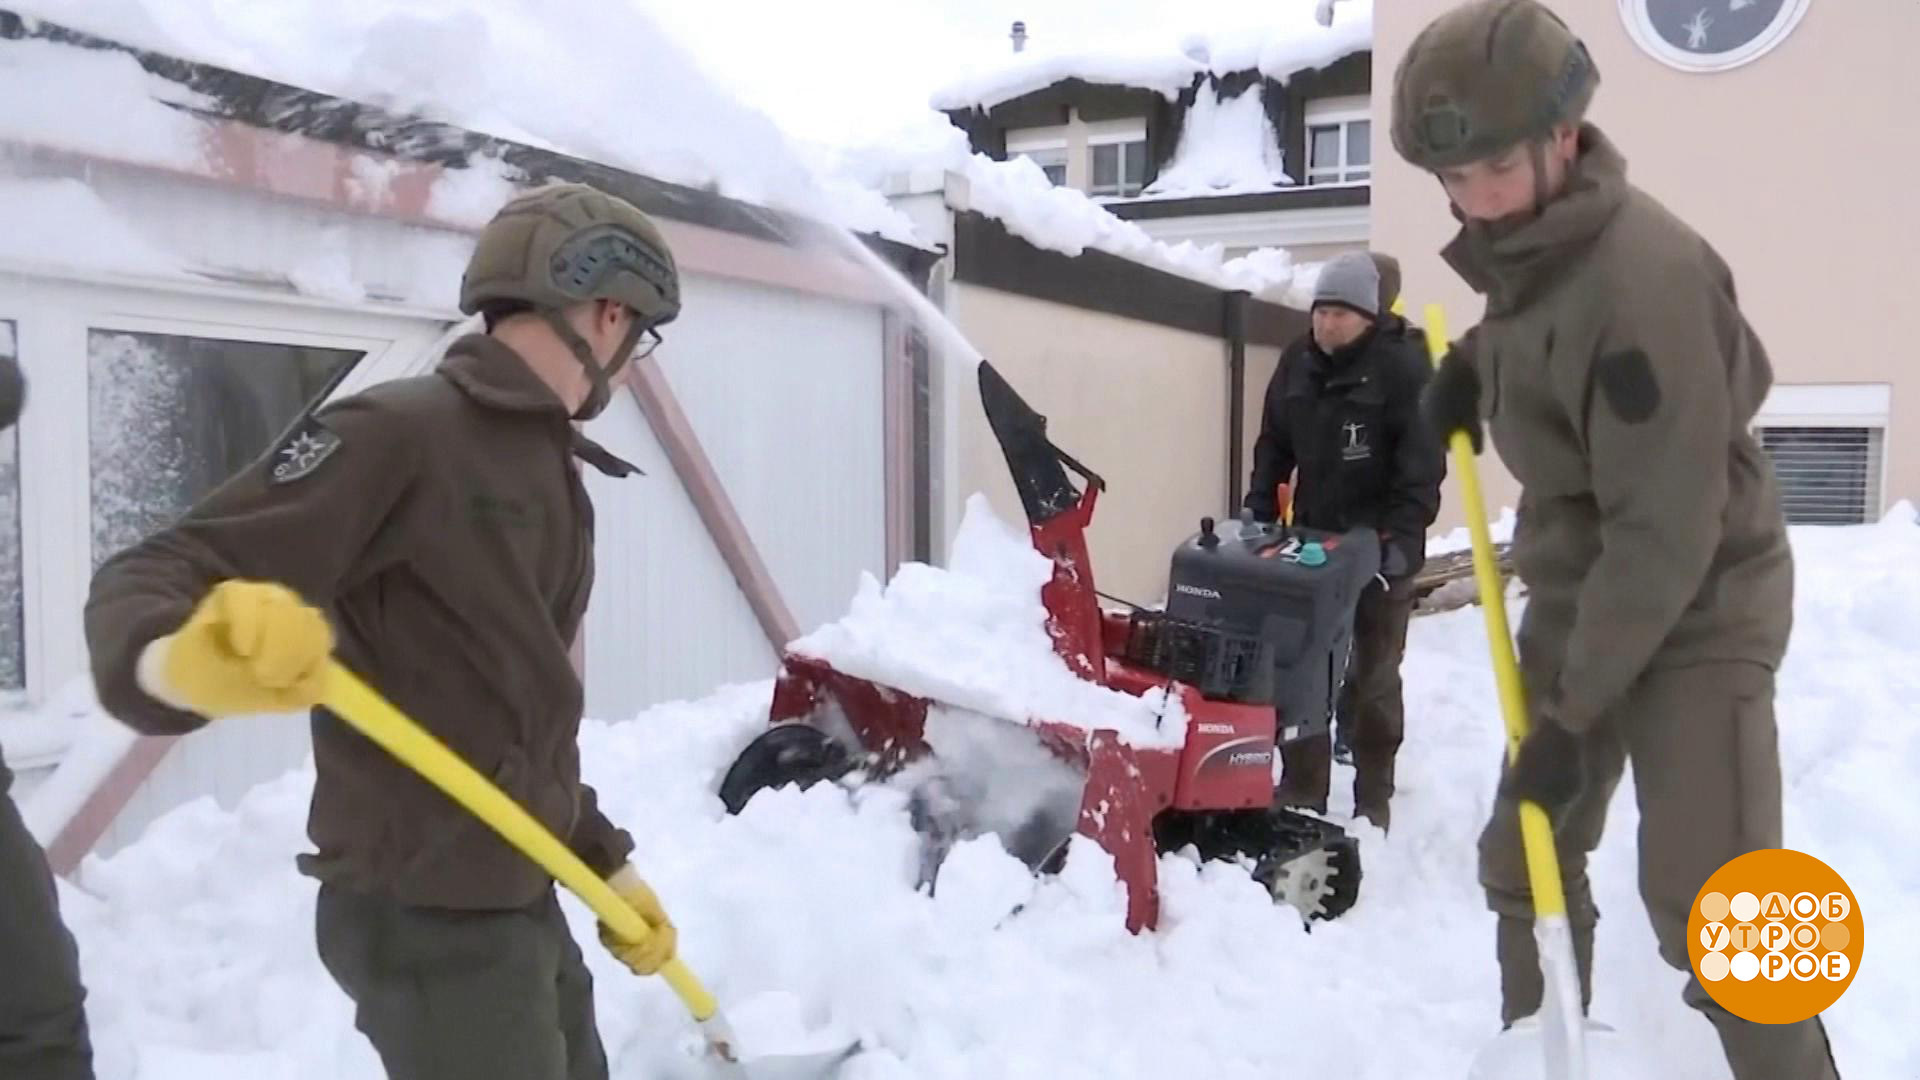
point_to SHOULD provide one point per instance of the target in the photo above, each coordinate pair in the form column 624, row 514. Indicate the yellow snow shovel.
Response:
column 376, row 718
column 1552, row 1044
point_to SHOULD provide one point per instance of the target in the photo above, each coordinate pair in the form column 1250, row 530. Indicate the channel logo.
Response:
column 1776, row 936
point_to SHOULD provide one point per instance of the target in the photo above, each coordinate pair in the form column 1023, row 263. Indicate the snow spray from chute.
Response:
column 931, row 318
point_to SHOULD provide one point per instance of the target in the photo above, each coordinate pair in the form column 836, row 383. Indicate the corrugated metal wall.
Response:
column 784, row 392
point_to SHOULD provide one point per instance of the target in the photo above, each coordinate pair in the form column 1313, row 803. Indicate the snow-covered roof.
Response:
column 1018, row 195
column 1284, row 40
column 597, row 81
column 692, row 134
column 1226, row 148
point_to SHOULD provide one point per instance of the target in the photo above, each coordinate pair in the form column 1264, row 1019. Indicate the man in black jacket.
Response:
column 1342, row 409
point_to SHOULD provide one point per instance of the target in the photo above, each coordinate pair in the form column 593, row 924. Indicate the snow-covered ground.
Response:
column 197, row 940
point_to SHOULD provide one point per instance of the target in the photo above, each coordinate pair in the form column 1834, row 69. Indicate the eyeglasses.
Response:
column 649, row 340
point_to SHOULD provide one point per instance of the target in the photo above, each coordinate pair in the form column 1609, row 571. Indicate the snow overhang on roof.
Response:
column 1287, row 40
column 226, row 99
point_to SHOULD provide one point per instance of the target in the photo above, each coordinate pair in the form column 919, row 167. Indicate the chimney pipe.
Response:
column 1019, row 36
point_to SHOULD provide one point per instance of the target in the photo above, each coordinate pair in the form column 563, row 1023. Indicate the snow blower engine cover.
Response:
column 1261, row 615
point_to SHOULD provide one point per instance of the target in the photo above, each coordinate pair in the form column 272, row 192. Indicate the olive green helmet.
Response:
column 1486, row 76
column 565, row 244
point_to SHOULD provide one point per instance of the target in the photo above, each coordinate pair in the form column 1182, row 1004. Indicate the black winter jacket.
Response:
column 1350, row 423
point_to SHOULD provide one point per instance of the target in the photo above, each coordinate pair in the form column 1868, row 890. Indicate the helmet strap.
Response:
column 1537, row 150
column 600, row 392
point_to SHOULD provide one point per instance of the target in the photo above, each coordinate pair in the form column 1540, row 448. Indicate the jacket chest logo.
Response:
column 1353, row 442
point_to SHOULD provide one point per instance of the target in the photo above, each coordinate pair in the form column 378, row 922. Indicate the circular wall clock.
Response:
column 1710, row 35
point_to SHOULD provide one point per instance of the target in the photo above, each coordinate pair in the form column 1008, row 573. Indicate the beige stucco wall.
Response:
column 1794, row 166
column 1140, row 404
column 1261, row 362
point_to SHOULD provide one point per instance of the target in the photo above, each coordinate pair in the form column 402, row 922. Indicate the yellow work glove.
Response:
column 249, row 647
column 648, row 956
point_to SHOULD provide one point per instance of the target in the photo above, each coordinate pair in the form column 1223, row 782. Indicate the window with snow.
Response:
column 1045, row 147
column 1052, row 161
column 1339, row 141
column 1827, row 475
column 13, row 619
column 170, row 418
column 1119, row 167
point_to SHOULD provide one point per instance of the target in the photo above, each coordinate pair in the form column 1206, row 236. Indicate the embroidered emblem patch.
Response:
column 1355, row 447
column 303, row 451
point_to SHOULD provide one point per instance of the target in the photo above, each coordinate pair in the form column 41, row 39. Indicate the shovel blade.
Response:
column 1522, row 1053
column 1559, row 1042
column 817, row 1058
column 817, row 1065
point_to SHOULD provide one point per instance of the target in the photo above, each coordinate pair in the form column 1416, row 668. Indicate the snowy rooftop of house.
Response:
column 512, row 70
column 1286, row 38
column 457, row 85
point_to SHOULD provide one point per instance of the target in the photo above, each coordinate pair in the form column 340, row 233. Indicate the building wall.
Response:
column 1262, row 362
column 783, row 387
column 784, row 392
column 1793, row 166
column 1137, row 403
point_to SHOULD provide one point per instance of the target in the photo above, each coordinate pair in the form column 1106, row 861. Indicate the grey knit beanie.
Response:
column 1350, row 280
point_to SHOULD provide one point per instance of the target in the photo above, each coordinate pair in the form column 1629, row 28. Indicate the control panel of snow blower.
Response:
column 1261, row 615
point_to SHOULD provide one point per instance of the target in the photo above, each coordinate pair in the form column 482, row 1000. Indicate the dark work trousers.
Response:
column 1370, row 701
column 479, row 995
column 1706, row 776
column 43, row 1021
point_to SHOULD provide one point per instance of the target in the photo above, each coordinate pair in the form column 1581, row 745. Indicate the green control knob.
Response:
column 1312, row 554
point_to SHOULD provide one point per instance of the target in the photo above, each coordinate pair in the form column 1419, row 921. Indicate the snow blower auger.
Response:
column 1252, row 643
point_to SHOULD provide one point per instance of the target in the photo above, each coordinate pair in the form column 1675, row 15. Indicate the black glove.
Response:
column 1451, row 401
column 1550, row 768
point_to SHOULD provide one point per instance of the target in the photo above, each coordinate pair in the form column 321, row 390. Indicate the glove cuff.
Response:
column 151, row 673
column 624, row 878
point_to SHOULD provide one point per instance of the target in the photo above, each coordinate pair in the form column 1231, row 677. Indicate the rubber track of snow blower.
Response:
column 1294, row 855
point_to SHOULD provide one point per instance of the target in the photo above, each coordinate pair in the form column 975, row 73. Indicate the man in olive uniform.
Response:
column 43, row 1020
column 1343, row 408
column 1617, row 377
column 437, row 531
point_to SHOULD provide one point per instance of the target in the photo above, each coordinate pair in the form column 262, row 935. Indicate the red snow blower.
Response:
column 1252, row 643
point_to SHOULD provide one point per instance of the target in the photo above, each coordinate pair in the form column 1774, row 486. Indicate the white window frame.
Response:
column 1116, row 133
column 52, row 319
column 1340, row 112
column 1050, row 141
column 1836, row 405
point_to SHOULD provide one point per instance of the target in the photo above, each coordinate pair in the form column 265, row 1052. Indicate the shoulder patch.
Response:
column 302, row 451
column 1626, row 380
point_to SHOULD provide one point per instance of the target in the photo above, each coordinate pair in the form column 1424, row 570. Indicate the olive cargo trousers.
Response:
column 1706, row 769
column 479, row 995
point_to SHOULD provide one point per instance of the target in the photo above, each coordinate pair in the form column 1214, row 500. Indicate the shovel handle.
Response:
column 373, row 716
column 1536, row 831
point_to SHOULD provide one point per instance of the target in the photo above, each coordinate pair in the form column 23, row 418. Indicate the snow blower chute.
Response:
column 1252, row 642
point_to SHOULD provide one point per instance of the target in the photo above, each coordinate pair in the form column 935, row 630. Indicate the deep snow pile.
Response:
column 1276, row 38
column 1226, row 148
column 197, row 941
column 973, row 635
column 1018, row 195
